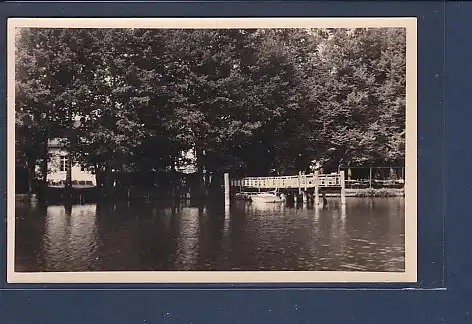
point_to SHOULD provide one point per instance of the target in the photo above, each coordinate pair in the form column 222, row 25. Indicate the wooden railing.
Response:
column 287, row 182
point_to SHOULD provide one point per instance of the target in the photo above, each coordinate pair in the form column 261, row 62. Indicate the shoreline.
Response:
column 371, row 193
column 356, row 193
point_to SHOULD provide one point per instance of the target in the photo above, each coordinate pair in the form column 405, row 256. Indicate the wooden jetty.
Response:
column 303, row 186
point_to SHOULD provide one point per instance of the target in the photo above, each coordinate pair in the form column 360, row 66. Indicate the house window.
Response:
column 82, row 168
column 64, row 163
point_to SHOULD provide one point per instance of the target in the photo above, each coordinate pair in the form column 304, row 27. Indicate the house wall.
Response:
column 55, row 173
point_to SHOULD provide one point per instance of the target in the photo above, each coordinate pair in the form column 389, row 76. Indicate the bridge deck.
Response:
column 288, row 182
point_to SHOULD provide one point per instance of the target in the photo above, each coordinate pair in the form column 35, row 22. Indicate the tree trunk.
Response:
column 156, row 182
column 68, row 186
column 31, row 165
column 107, row 181
column 201, row 171
column 393, row 174
column 99, row 176
column 44, row 170
column 176, row 179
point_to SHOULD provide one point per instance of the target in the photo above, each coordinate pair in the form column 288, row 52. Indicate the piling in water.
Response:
column 317, row 189
column 343, row 188
column 227, row 189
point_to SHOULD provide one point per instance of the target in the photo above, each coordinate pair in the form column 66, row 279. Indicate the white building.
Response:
column 57, row 168
column 187, row 162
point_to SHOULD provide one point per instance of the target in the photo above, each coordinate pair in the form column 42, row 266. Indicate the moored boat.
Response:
column 245, row 195
column 267, row 197
column 242, row 196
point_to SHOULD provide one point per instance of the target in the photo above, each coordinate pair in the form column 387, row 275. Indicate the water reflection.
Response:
column 188, row 238
column 364, row 235
column 227, row 219
column 262, row 207
column 70, row 239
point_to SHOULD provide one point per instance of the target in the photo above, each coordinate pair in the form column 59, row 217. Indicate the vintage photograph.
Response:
column 212, row 150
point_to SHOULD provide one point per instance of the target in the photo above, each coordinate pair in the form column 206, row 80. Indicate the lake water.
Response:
column 364, row 235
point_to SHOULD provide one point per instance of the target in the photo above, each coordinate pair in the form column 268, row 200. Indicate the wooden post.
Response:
column 227, row 212
column 343, row 212
column 227, row 189
column 299, row 182
column 370, row 177
column 317, row 213
column 306, row 184
column 305, row 198
column 343, row 188
column 317, row 188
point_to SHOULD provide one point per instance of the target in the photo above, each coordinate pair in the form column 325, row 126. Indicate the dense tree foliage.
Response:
column 252, row 102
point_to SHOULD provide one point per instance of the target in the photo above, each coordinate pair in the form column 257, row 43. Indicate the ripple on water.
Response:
column 94, row 237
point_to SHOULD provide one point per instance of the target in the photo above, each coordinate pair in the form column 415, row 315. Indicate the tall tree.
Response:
column 252, row 102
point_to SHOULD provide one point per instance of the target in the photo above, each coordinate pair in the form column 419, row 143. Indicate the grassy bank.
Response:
column 371, row 192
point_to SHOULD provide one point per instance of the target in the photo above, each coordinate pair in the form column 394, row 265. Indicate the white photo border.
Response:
column 409, row 275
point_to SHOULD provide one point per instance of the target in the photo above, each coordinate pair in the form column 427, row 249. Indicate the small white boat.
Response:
column 267, row 197
column 243, row 196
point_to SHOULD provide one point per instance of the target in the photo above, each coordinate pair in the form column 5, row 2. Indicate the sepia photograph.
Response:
column 206, row 150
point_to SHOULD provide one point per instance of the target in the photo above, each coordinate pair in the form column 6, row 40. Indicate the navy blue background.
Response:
column 445, row 93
